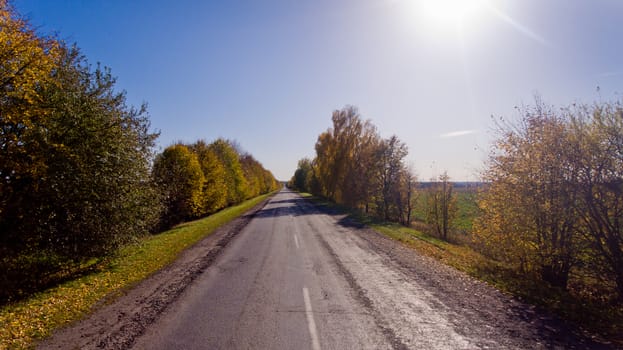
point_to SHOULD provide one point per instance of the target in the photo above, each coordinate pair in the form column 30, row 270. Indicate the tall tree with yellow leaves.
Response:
column 214, row 193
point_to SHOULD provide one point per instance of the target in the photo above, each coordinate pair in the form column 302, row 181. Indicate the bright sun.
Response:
column 450, row 12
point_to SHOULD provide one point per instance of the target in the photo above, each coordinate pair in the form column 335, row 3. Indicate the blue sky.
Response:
column 269, row 73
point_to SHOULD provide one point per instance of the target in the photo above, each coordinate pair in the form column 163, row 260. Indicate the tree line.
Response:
column 356, row 167
column 199, row 179
column 79, row 176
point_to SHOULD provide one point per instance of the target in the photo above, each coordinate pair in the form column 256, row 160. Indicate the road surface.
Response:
column 299, row 277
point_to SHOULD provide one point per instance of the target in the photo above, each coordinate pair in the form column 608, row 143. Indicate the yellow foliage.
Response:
column 26, row 63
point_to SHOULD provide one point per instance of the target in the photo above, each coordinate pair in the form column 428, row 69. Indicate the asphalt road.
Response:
column 299, row 278
column 276, row 286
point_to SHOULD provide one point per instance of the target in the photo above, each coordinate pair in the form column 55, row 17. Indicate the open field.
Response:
column 467, row 208
column 23, row 322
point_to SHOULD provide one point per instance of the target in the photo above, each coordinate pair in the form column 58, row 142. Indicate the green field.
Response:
column 467, row 208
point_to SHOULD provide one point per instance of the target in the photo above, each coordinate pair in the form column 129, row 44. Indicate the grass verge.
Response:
column 606, row 320
column 23, row 323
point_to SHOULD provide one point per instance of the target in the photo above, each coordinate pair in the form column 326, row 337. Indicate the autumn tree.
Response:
column 407, row 195
column 302, row 175
column 75, row 160
column 361, row 184
column 529, row 212
column 214, row 192
column 98, row 153
column 200, row 178
column 334, row 151
column 596, row 149
column 345, row 167
column 259, row 180
column 235, row 182
column 26, row 63
column 441, row 205
column 355, row 167
column 76, row 178
column 390, row 155
column 271, row 181
column 179, row 177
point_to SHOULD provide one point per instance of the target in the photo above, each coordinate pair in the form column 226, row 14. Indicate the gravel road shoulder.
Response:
column 482, row 311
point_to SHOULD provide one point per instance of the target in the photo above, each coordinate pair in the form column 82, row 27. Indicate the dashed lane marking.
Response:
column 296, row 241
column 311, row 324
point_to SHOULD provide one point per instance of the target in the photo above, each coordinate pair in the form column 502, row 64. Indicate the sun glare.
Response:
column 450, row 12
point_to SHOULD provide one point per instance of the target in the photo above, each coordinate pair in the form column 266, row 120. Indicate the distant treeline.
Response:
column 78, row 173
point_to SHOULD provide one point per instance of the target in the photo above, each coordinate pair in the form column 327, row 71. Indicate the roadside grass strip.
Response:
column 23, row 323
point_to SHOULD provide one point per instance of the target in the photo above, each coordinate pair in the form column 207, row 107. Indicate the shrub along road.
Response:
column 293, row 276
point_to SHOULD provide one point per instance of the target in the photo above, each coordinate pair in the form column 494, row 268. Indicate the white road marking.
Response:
column 310, row 320
column 296, row 241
